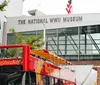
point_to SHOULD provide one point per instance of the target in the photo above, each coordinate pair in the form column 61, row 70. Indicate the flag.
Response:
column 69, row 6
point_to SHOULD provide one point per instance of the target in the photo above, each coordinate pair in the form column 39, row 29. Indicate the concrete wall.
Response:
column 30, row 23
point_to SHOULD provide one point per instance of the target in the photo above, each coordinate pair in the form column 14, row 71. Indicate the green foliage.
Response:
column 12, row 52
column 2, row 5
column 33, row 41
column 18, row 37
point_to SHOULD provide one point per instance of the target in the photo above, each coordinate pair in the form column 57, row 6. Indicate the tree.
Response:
column 33, row 41
column 2, row 5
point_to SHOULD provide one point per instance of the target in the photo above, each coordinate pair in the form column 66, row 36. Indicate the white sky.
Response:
column 52, row 7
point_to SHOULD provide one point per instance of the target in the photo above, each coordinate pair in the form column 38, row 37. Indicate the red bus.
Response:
column 27, row 69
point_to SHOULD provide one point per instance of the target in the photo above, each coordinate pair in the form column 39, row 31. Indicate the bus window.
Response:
column 33, row 78
column 51, row 81
column 58, row 82
column 15, row 78
column 27, row 79
column 30, row 78
column 61, row 82
column 19, row 78
column 45, row 80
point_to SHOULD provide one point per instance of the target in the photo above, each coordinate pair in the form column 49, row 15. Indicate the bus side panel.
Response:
column 68, row 83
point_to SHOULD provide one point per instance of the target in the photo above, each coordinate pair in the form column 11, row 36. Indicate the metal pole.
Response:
column 44, row 36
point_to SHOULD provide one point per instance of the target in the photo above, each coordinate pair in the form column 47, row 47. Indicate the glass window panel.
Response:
column 90, row 43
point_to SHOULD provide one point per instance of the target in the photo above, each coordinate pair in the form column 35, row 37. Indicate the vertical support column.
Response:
column 85, row 43
column 4, row 34
column 44, row 36
column 78, row 43
column 26, row 54
column 57, row 42
column 66, row 45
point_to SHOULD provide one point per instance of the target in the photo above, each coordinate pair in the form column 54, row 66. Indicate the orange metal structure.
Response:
column 49, row 56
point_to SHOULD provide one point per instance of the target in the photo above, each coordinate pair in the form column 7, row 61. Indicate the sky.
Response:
column 54, row 7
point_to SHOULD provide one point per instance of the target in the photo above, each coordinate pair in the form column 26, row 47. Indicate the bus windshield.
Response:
column 11, row 78
column 17, row 78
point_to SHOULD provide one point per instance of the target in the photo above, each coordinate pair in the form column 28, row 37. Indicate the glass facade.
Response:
column 72, row 43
